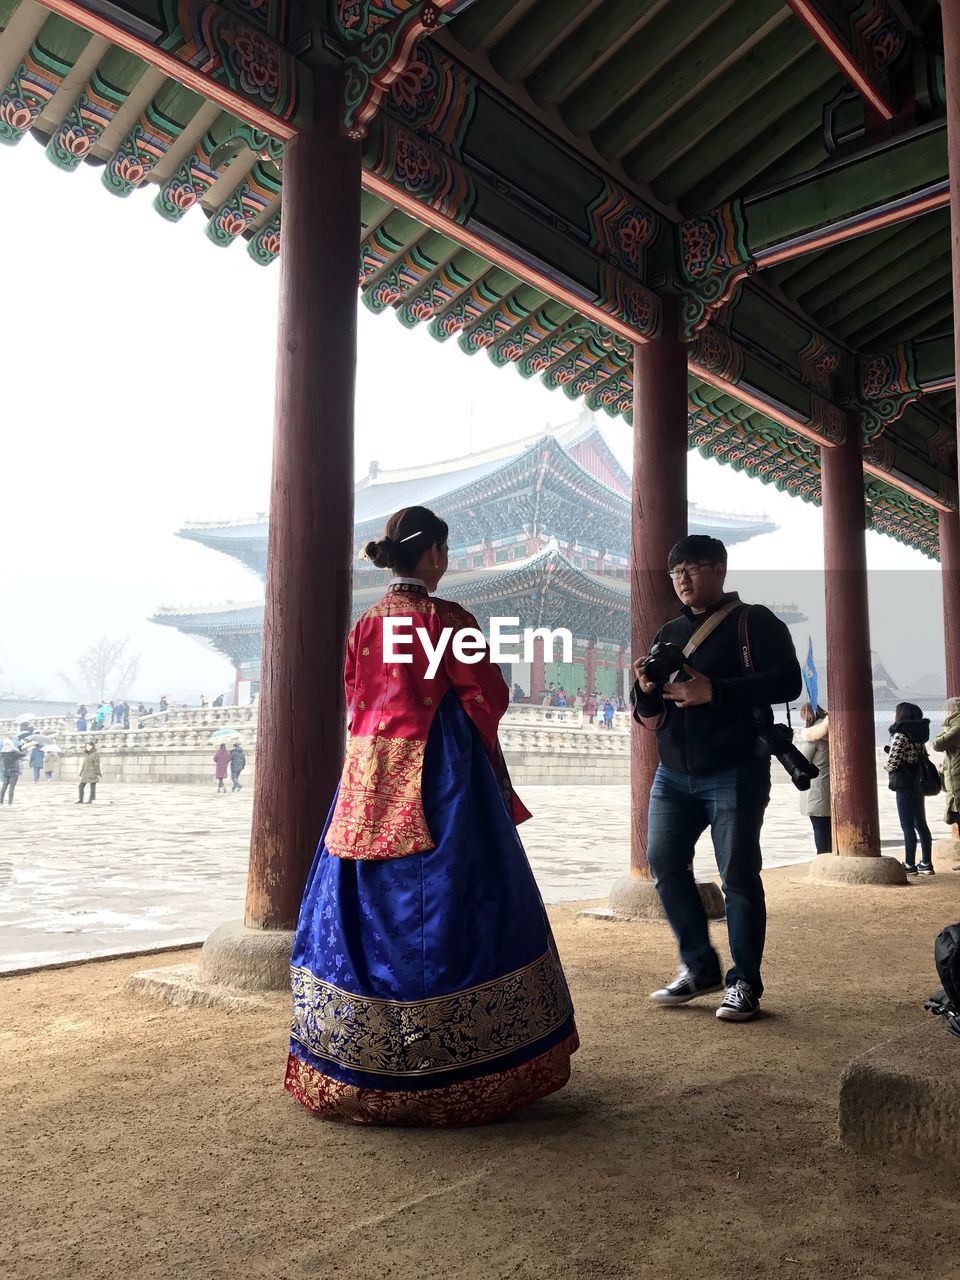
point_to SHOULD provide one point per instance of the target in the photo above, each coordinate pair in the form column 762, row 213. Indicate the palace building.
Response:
column 539, row 530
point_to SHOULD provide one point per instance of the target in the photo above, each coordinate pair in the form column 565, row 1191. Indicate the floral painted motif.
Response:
column 254, row 61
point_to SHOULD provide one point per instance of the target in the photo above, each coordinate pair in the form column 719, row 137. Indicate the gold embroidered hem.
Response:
column 417, row 1038
column 468, row 1102
column 379, row 809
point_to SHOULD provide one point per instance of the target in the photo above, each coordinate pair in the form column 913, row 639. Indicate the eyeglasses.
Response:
column 689, row 570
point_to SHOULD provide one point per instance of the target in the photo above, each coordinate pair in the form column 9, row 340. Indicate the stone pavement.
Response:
column 152, row 866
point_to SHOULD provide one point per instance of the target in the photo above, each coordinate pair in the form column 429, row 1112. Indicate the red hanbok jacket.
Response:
column 379, row 809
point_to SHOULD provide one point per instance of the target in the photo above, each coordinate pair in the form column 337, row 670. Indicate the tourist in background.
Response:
column 905, row 754
column 36, row 760
column 815, row 803
column 948, row 741
column 89, row 771
column 238, row 762
column 10, row 758
column 218, row 700
column 518, row 694
column 608, row 713
column 590, row 708
column 163, row 702
column 203, row 702
column 81, row 725
column 222, row 764
column 50, row 754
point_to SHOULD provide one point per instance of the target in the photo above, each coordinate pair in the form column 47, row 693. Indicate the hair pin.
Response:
column 411, row 535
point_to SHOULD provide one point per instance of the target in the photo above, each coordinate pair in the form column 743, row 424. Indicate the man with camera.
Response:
column 710, row 678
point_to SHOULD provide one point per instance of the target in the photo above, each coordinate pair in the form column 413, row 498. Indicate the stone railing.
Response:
column 213, row 717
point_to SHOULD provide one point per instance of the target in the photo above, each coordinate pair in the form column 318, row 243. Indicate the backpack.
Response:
column 930, row 780
column 946, row 954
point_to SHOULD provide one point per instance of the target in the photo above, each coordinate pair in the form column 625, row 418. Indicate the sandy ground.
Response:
column 146, row 1141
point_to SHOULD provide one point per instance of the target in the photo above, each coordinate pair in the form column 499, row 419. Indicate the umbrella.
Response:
column 51, row 747
column 32, row 737
column 24, row 719
column 223, row 735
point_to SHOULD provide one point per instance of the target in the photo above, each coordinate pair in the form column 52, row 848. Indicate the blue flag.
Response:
column 810, row 675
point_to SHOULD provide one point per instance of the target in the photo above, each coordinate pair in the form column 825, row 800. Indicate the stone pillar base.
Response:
column 829, row 868
column 902, row 1098
column 238, row 967
column 635, row 899
column 947, row 851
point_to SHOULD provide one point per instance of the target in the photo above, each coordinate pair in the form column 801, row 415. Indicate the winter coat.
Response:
column 948, row 741
column 90, row 766
column 36, row 758
column 238, row 761
column 905, row 753
column 814, row 746
column 222, row 761
column 10, row 763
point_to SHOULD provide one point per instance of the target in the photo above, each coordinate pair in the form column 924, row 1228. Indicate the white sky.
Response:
column 137, row 394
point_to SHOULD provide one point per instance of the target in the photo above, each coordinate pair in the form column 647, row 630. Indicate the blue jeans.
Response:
column 731, row 802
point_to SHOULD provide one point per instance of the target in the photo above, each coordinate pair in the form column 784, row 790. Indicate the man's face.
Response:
column 698, row 583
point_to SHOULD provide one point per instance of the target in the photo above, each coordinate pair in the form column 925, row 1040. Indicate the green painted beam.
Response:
column 567, row 65
column 887, row 327
column 934, row 359
column 868, row 180
column 646, row 108
column 521, row 50
column 657, row 42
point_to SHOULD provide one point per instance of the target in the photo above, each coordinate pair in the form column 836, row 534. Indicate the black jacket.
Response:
column 723, row 732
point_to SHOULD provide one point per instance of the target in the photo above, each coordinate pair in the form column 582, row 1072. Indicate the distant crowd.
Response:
column 596, row 706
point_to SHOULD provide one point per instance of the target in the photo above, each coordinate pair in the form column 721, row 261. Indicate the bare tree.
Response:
column 106, row 670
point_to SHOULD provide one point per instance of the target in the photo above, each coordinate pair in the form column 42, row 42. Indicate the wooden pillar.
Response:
column 950, row 573
column 300, row 737
column 853, row 767
column 621, row 667
column 659, row 519
column 949, row 526
column 538, row 670
column 590, row 667
column 236, row 685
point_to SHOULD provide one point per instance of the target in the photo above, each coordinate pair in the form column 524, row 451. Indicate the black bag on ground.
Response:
column 946, row 955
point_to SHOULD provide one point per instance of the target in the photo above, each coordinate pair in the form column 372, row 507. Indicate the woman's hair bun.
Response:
column 379, row 552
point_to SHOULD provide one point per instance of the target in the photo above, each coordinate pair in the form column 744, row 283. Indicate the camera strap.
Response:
column 705, row 629
column 708, row 627
column 746, row 657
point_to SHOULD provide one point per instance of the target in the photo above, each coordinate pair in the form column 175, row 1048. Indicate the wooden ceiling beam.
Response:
column 864, row 46
column 615, row 78
column 577, row 58
column 672, row 92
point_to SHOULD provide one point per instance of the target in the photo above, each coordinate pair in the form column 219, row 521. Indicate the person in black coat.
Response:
column 905, row 753
column 713, row 772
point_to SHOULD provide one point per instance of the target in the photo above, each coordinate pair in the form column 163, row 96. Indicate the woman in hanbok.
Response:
column 426, row 984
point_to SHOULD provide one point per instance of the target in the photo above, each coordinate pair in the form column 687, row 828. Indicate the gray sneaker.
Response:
column 684, row 988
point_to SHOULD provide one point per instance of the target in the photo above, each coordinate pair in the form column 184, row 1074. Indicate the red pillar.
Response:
column 949, row 529
column 950, row 572
column 590, row 668
column 659, row 519
column 307, row 606
column 538, row 670
column 853, row 760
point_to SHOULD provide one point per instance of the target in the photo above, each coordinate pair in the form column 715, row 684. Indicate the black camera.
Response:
column 777, row 740
column 662, row 661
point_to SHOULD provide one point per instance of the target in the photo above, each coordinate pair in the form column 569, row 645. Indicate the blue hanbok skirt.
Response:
column 427, row 989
